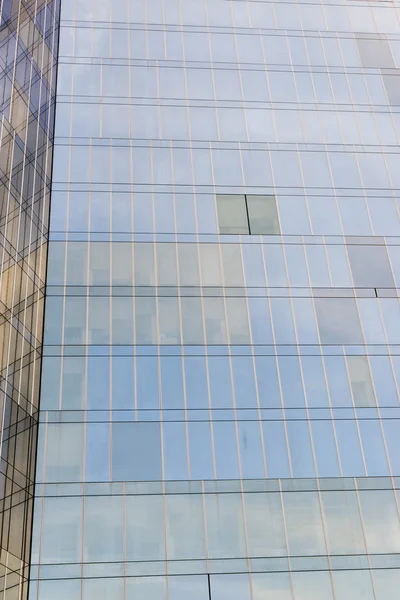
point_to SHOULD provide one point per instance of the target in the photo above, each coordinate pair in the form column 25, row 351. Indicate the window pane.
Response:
column 386, row 584
column 62, row 590
column 304, row 524
column 103, row 533
column 225, row 526
column 271, row 586
column 234, row 587
column 370, row 266
column 342, row 522
column 375, row 53
column 106, row 589
column 232, row 215
column 136, row 452
column 360, row 379
column 153, row 588
column 312, row 586
column 381, row 521
column 353, row 585
column 194, row 587
column 61, row 530
column 144, row 530
column 264, row 525
column 185, row 527
column 64, row 452
column 338, row 321
column 263, row 214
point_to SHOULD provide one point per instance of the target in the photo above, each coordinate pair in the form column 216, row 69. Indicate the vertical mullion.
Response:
column 247, row 213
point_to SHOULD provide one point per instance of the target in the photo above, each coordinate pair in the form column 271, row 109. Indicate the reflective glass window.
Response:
column 61, row 539
column 338, row 321
column 381, row 521
column 232, row 215
column 193, row 586
column 375, row 53
column 312, row 585
column 136, row 451
column 107, row 589
column 225, row 526
column 264, row 525
column 263, row 214
column 370, row 266
column 235, row 587
column 344, row 532
column 145, row 539
column 353, row 585
column 103, row 531
column 360, row 380
column 271, row 586
column 304, row 523
column 185, row 527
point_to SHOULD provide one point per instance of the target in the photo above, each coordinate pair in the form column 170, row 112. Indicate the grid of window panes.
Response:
column 222, row 325
column 28, row 48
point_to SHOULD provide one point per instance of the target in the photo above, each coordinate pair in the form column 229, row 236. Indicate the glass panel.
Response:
column 312, row 586
column 192, row 321
column 122, row 272
column 232, row 214
column 353, row 585
column 136, row 452
column 360, row 379
column 166, row 264
column 145, row 538
column 194, row 587
column 271, row 586
column 210, row 264
column 73, row 383
column 264, row 525
column 185, row 527
column 343, row 526
column 232, row 265
column 144, row 264
column 238, row 321
column 61, row 530
column 304, row 524
column 386, row 584
column 338, row 321
column 62, row 590
column 214, row 312
column 225, row 527
column 188, row 264
column 175, row 451
column 168, row 321
column 370, row 266
column 153, row 588
column 375, row 53
column 103, row 532
column 381, row 521
column 234, row 587
column 106, row 589
column 263, row 215
column 99, row 320
column 64, row 452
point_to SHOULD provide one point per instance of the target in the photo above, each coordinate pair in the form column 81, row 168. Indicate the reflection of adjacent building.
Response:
column 28, row 40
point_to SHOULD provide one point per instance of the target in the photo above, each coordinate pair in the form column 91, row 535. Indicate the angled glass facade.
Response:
column 28, row 49
column 219, row 413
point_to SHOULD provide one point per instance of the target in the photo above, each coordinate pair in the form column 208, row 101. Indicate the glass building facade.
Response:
column 219, row 402
column 28, row 51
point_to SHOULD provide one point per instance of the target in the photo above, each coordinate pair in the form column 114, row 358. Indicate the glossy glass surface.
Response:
column 222, row 314
column 28, row 54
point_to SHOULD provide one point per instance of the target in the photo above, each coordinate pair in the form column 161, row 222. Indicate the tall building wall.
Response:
column 28, row 47
column 219, row 412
